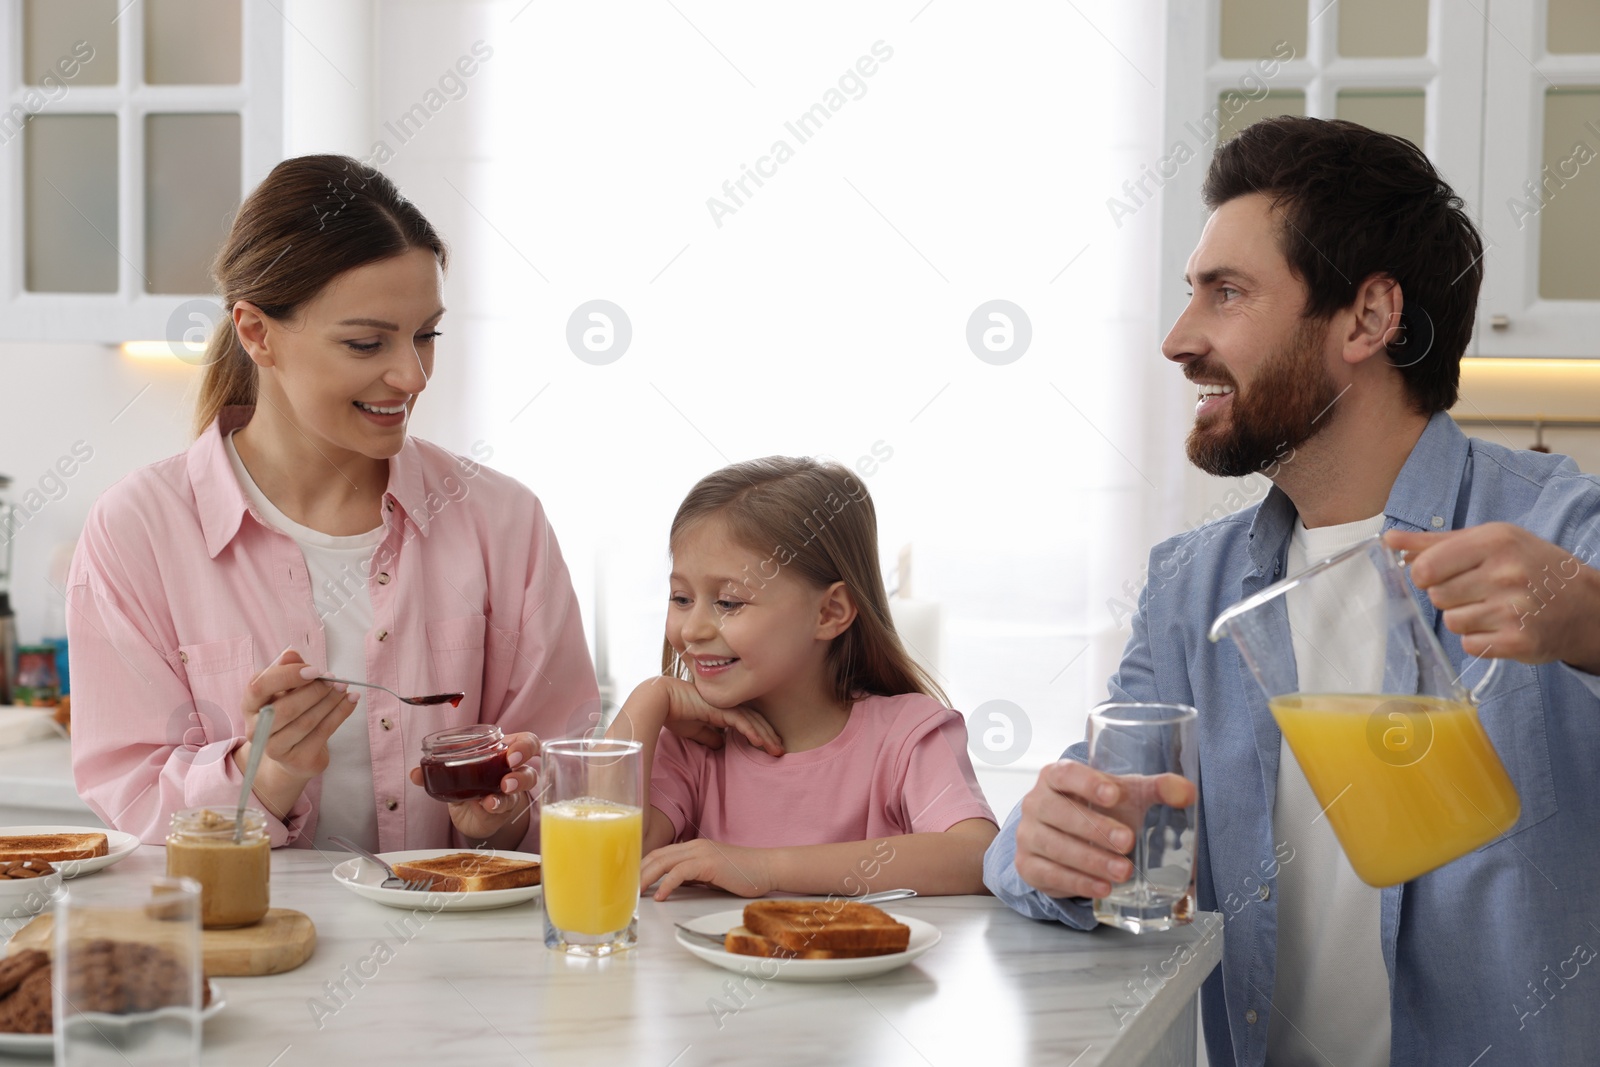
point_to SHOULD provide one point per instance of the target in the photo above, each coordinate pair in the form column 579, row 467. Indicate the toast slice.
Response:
column 741, row 941
column 837, row 926
column 470, row 872
column 52, row 848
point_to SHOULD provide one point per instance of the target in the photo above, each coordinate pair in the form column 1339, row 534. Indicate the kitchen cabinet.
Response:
column 128, row 136
column 1503, row 96
column 1541, row 181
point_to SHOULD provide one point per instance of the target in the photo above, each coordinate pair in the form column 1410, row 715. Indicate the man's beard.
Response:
column 1286, row 404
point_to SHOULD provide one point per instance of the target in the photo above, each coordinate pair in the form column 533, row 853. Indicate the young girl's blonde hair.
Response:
column 815, row 520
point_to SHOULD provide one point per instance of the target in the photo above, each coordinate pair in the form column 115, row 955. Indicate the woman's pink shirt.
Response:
column 179, row 594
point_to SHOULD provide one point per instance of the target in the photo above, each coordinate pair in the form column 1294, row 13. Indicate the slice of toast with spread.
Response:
column 52, row 848
column 741, row 941
column 841, row 928
column 470, row 872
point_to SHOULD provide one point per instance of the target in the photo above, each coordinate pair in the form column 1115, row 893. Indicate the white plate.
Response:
column 118, row 846
column 44, row 1044
column 924, row 935
column 365, row 879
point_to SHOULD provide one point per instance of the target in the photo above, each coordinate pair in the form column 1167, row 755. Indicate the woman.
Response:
column 304, row 534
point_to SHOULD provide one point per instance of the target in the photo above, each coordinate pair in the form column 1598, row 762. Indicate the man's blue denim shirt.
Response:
column 1491, row 958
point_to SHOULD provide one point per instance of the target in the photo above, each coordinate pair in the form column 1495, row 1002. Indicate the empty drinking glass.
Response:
column 1139, row 743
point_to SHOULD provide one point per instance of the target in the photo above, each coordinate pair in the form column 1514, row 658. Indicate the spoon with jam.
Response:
column 453, row 699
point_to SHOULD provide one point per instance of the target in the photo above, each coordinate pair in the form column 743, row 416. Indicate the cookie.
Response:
column 28, row 1009
column 16, row 967
column 126, row 976
column 118, row 977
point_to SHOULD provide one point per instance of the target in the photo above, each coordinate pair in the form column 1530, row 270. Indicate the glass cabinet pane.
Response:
column 191, row 190
column 1253, row 29
column 1276, row 102
column 1384, row 27
column 1569, row 185
column 1399, row 111
column 77, row 37
column 1573, row 26
column 192, row 42
column 70, row 203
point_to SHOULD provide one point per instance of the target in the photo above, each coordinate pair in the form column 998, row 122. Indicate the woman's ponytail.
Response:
column 230, row 376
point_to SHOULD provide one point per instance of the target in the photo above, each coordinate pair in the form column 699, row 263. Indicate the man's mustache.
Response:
column 1210, row 374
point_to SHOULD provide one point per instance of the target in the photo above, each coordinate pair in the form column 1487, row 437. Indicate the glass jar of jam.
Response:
column 465, row 763
column 233, row 876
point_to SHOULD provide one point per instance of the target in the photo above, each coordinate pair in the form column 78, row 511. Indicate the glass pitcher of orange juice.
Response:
column 1388, row 738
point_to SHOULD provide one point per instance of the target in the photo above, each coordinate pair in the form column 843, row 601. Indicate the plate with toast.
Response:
column 466, row 881
column 72, row 850
column 809, row 940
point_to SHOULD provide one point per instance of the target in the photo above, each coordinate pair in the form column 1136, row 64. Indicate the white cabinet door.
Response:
column 129, row 132
column 1541, row 184
column 1410, row 67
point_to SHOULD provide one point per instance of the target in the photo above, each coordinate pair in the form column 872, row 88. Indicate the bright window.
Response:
column 803, row 228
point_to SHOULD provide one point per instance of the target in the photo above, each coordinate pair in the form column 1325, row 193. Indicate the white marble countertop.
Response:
column 480, row 988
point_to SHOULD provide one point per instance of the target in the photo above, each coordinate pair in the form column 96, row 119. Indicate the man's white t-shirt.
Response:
column 1330, row 1004
column 338, row 582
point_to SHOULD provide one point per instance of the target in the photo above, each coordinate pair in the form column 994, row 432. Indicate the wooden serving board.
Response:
column 280, row 942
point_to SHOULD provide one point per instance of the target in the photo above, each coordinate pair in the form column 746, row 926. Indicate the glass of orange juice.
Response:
column 1375, row 713
column 591, row 830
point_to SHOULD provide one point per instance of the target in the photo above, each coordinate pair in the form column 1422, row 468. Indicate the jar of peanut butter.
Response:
column 232, row 876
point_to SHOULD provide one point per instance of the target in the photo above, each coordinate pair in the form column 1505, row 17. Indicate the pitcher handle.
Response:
column 1477, row 691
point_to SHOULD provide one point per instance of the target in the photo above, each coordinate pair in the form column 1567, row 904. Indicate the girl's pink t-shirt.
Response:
column 900, row 766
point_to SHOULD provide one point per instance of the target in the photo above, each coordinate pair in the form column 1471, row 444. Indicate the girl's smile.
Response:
column 711, row 666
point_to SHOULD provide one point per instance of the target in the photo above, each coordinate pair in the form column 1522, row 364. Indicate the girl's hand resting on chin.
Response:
column 483, row 818
column 691, row 718
column 745, row 872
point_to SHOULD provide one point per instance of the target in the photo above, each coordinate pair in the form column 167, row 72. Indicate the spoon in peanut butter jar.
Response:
column 453, row 699
column 258, row 745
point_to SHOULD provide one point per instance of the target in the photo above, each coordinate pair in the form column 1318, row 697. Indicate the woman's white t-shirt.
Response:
column 337, row 569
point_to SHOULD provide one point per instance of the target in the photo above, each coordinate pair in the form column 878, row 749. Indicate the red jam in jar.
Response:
column 465, row 763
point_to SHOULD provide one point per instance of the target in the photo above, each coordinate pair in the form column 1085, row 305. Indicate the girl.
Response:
column 305, row 516
column 841, row 770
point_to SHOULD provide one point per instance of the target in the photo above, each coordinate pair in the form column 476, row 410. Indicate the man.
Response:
column 1333, row 292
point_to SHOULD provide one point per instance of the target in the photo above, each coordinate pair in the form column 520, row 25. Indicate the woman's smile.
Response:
column 387, row 415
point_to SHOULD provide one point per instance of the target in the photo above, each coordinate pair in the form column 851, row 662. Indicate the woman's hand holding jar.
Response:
column 498, row 819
